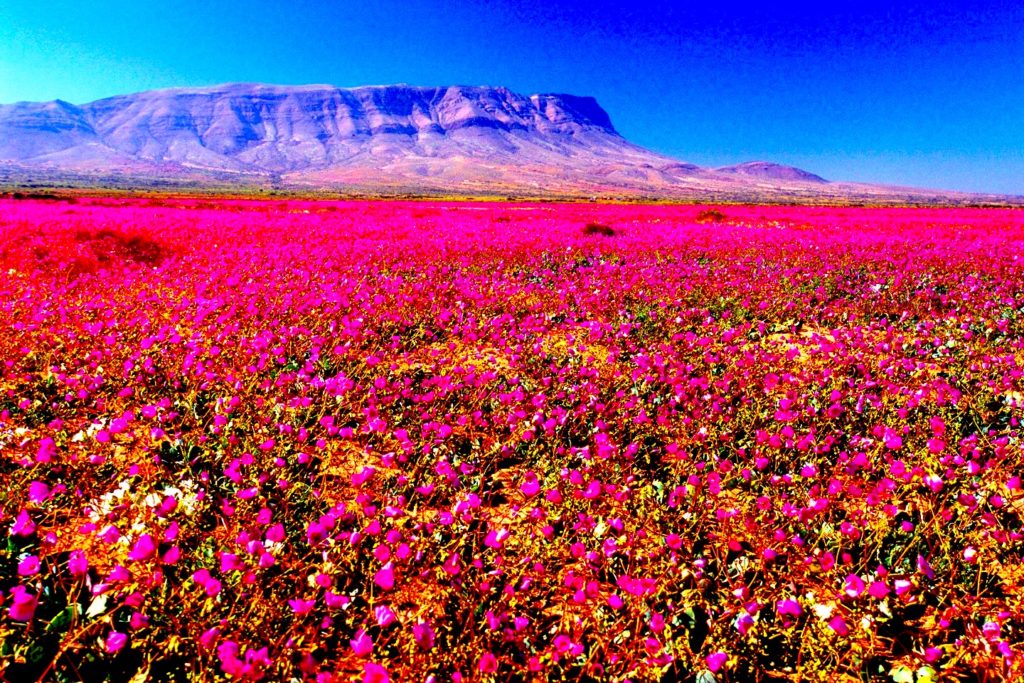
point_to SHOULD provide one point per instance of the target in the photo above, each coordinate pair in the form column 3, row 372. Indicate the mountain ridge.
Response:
column 458, row 139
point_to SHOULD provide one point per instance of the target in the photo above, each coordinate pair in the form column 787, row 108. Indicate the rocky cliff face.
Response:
column 259, row 128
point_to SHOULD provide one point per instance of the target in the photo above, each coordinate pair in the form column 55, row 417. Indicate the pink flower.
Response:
column 744, row 622
column 335, row 600
column 452, row 565
column 229, row 562
column 23, row 524
column 854, row 586
column 375, row 673
column 363, row 476
column 488, row 663
column 301, row 607
column 530, row 486
column 593, row 490
column 878, row 590
column 423, row 634
column 28, row 566
column 716, row 661
column 788, row 608
column 23, row 604
column 362, row 644
column 143, row 549
column 119, row 573
column 38, row 492
column 496, row 538
column 208, row 638
column 385, row 617
column 78, row 563
column 385, row 577
column 47, row 449
column 116, row 641
column 838, row 624
column 275, row 534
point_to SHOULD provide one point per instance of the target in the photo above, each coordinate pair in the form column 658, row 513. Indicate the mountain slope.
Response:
column 453, row 139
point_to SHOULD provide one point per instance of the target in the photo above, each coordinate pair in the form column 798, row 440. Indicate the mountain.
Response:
column 397, row 138
column 767, row 170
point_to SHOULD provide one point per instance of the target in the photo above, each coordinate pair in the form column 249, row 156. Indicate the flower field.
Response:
column 387, row 441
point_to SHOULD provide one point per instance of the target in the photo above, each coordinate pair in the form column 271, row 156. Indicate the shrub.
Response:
column 598, row 229
column 710, row 216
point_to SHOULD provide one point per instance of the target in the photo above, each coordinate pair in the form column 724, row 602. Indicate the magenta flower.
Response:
column 119, row 573
column 744, row 622
column 488, row 663
column 385, row 617
column 23, row 524
column 496, row 538
column 29, row 566
column 838, row 624
column 878, row 590
column 385, row 577
column 275, row 534
column 788, row 608
column 452, row 566
column 300, row 607
column 423, row 634
column 78, row 563
column 229, row 562
column 593, row 490
column 375, row 673
column 854, row 586
column 716, row 661
column 38, row 492
column 116, row 641
column 23, row 604
column 362, row 644
column 143, row 549
column 530, row 486
column 209, row 637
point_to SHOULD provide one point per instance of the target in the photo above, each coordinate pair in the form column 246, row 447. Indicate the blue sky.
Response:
column 928, row 94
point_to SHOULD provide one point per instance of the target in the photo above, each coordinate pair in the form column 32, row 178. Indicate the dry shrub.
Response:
column 710, row 216
column 598, row 229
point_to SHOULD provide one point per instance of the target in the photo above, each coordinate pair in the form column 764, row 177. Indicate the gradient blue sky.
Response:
column 929, row 94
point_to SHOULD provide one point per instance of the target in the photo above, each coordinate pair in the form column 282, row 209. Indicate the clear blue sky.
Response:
column 918, row 93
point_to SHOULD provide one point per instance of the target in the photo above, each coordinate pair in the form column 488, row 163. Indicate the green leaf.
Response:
column 62, row 621
column 36, row 654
